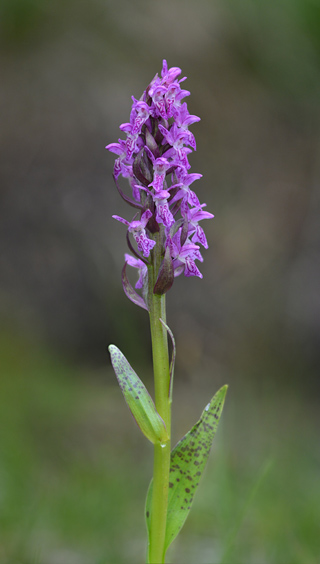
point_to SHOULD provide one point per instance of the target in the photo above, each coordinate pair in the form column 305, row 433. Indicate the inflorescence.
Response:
column 154, row 158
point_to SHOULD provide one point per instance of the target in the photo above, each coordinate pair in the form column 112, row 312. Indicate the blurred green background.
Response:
column 73, row 467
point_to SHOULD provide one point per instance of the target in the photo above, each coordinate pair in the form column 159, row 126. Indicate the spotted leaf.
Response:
column 188, row 460
column 138, row 398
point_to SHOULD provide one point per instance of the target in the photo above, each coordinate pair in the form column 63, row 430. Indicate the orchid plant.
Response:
column 164, row 239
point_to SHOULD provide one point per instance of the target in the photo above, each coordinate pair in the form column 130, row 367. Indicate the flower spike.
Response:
column 154, row 159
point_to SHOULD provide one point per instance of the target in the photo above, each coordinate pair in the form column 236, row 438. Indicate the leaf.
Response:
column 188, row 460
column 138, row 398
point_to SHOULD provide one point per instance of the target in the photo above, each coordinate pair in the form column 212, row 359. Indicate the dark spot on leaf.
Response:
column 148, row 514
column 187, row 490
column 170, row 485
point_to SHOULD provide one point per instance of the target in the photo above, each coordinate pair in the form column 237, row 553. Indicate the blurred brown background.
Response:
column 68, row 70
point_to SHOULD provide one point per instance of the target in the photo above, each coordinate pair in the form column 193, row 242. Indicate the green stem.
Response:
column 161, row 467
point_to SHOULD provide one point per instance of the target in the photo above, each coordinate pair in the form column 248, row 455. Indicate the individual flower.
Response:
column 163, row 213
column 176, row 137
column 183, row 120
column 157, row 93
column 184, row 256
column 195, row 215
column 184, row 192
column 160, row 167
column 137, row 228
column 142, row 269
column 139, row 115
column 173, row 96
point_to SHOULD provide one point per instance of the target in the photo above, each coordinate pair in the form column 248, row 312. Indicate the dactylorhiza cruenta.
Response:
column 164, row 238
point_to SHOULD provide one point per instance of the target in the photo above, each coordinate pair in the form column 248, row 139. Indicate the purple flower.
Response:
column 137, row 228
column 157, row 94
column 194, row 216
column 154, row 158
column 184, row 191
column 183, row 120
column 160, row 167
column 184, row 256
column 121, row 150
column 173, row 96
column 168, row 76
column 142, row 269
column 176, row 137
column 139, row 115
column 163, row 213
